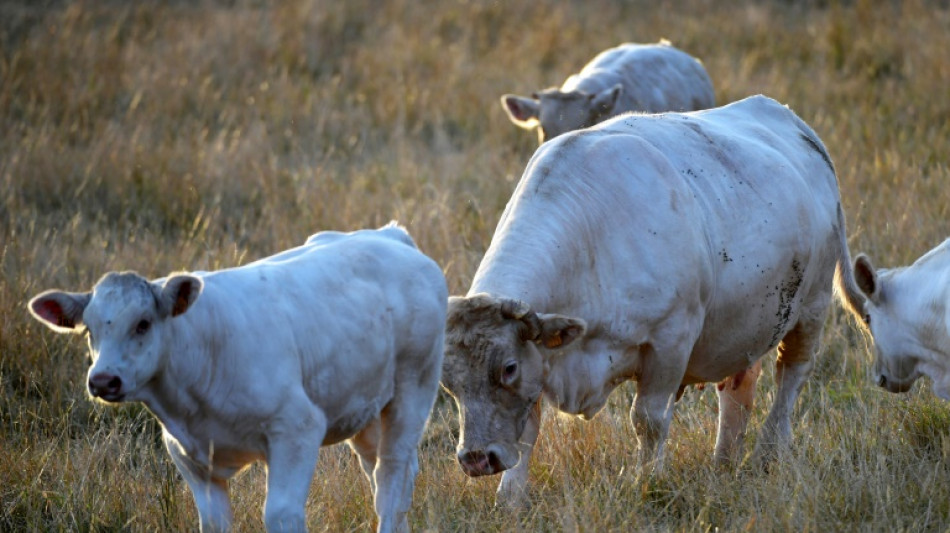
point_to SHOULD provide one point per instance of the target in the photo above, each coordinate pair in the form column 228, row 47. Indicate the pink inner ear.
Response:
column 52, row 312
column 515, row 107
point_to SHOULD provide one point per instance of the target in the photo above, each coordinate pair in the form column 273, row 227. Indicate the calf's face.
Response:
column 556, row 112
column 123, row 318
column 896, row 340
column 494, row 369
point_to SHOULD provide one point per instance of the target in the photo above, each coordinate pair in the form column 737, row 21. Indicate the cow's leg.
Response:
column 210, row 492
column 293, row 449
column 365, row 444
column 511, row 490
column 794, row 362
column 736, row 395
column 402, row 422
column 661, row 372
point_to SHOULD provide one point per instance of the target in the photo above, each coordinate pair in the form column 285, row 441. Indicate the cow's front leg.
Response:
column 658, row 381
column 210, row 492
column 294, row 443
column 736, row 396
column 512, row 490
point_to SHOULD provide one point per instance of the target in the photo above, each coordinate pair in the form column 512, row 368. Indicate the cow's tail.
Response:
column 397, row 232
column 846, row 288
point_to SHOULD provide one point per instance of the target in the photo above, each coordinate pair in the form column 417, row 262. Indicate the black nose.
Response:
column 105, row 385
column 882, row 381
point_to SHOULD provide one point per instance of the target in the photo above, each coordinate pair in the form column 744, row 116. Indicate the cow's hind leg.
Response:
column 736, row 395
column 794, row 363
column 402, row 423
column 366, row 444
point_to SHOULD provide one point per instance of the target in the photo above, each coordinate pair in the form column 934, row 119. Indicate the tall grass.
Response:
column 160, row 136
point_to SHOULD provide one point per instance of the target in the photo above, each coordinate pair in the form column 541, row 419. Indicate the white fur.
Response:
column 690, row 244
column 278, row 357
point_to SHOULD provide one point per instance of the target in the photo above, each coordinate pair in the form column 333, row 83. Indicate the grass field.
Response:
column 159, row 136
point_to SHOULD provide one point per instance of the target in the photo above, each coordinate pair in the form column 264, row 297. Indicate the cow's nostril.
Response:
column 494, row 462
column 881, row 381
column 475, row 463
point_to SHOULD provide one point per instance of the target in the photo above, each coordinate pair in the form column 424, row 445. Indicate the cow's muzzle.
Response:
column 893, row 385
column 478, row 463
column 106, row 386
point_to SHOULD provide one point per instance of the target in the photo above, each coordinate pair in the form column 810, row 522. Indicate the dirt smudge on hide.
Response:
column 786, row 295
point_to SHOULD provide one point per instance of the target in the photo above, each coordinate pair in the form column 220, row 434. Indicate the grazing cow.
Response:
column 338, row 339
column 907, row 312
column 668, row 249
column 631, row 77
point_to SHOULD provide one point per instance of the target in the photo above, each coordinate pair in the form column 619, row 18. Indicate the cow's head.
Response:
column 897, row 344
column 123, row 318
column 494, row 368
column 555, row 112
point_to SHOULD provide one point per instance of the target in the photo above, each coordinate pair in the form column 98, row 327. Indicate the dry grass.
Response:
column 158, row 136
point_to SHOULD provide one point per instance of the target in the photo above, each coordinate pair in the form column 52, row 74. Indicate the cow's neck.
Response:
column 172, row 394
column 534, row 264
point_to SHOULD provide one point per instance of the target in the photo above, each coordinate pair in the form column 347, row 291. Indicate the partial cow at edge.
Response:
column 338, row 339
column 907, row 312
column 667, row 249
column 649, row 78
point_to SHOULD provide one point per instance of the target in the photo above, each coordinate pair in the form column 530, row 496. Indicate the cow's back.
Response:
column 344, row 316
column 655, row 77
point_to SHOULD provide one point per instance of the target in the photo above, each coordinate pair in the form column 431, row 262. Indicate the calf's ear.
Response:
column 523, row 112
column 60, row 311
column 178, row 293
column 557, row 331
column 604, row 101
column 865, row 276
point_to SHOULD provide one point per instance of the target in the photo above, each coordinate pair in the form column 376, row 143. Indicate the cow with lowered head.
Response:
column 668, row 249
column 340, row 339
column 907, row 312
column 648, row 78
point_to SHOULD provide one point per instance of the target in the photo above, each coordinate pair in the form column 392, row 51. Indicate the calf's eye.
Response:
column 509, row 370
column 142, row 326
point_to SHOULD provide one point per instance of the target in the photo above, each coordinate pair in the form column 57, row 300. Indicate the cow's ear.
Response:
column 178, row 293
column 523, row 112
column 604, row 101
column 557, row 331
column 866, row 277
column 60, row 311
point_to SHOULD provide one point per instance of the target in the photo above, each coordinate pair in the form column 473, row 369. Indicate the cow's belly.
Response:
column 354, row 419
column 734, row 338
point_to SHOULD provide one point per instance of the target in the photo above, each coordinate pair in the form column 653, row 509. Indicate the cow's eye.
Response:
column 142, row 327
column 509, row 370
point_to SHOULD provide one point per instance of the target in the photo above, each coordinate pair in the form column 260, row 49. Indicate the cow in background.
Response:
column 650, row 78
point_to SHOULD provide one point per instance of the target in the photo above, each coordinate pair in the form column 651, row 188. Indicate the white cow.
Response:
column 338, row 339
column 630, row 77
column 907, row 312
column 669, row 249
